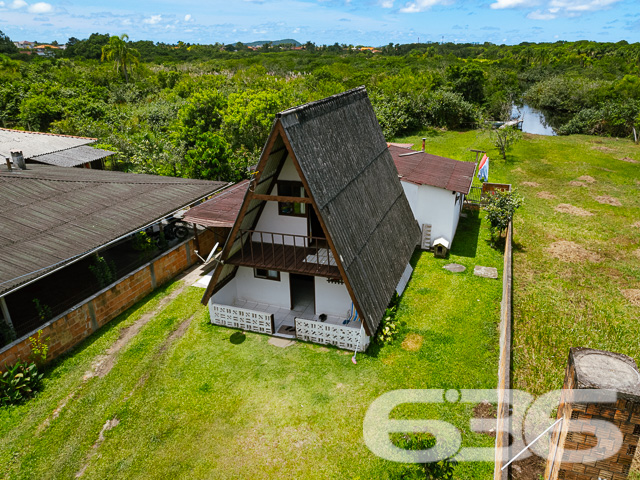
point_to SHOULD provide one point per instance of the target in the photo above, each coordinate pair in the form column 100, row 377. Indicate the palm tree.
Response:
column 121, row 53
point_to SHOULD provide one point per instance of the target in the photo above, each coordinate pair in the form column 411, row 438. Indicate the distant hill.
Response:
column 295, row 43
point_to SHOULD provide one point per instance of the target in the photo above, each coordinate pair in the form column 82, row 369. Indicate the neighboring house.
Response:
column 57, row 223
column 324, row 234
column 51, row 149
column 436, row 188
column 219, row 213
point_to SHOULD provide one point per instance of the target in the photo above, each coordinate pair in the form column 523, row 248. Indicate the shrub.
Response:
column 442, row 470
column 7, row 334
column 500, row 209
column 39, row 348
column 105, row 272
column 19, row 383
column 388, row 328
column 44, row 311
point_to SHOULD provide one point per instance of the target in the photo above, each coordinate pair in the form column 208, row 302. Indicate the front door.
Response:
column 303, row 295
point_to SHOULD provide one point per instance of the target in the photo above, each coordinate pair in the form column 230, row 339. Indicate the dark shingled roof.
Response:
column 72, row 157
column 221, row 210
column 425, row 169
column 344, row 158
column 52, row 215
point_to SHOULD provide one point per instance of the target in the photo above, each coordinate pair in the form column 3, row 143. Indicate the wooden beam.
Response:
column 264, row 158
column 314, row 205
column 281, row 198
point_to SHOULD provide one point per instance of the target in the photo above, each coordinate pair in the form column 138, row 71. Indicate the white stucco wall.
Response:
column 434, row 206
column 226, row 295
column 271, row 221
column 262, row 290
column 331, row 298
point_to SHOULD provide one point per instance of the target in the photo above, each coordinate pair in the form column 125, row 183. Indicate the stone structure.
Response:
column 598, row 436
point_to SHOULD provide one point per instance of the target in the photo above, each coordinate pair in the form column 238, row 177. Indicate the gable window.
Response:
column 291, row 189
column 266, row 274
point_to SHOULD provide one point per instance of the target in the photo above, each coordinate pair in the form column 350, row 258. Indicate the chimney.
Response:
column 423, row 143
column 18, row 159
column 8, row 164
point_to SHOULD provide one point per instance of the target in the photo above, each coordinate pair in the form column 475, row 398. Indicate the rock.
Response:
column 485, row 272
column 455, row 267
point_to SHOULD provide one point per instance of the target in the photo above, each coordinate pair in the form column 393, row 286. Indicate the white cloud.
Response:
column 187, row 17
column 500, row 4
column 153, row 19
column 40, row 7
column 422, row 5
column 1, row 4
column 582, row 5
column 386, row 3
column 16, row 4
column 538, row 15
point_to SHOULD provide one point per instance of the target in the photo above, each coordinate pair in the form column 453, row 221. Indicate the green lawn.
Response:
column 216, row 405
column 577, row 299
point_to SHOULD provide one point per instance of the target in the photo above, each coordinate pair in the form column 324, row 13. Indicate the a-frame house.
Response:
column 324, row 234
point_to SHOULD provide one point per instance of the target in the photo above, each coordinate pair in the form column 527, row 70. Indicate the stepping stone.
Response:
column 485, row 272
column 455, row 267
column 281, row 342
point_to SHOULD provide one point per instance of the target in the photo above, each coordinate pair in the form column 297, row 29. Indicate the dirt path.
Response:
column 104, row 363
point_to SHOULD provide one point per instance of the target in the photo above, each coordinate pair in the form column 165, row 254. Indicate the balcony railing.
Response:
column 286, row 252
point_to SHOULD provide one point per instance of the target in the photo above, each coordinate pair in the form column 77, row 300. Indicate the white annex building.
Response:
column 324, row 233
column 436, row 188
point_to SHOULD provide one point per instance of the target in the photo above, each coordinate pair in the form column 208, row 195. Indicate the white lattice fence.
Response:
column 242, row 318
column 341, row 337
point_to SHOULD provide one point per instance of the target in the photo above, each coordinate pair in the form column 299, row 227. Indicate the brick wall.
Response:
column 78, row 323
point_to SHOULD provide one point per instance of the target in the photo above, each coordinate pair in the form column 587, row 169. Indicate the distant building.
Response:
column 436, row 188
column 52, row 149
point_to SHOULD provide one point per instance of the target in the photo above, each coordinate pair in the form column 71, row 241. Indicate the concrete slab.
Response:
column 281, row 342
column 455, row 267
column 485, row 272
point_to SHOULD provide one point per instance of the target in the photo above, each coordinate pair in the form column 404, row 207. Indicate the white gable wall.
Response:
column 271, row 221
column 332, row 298
column 434, row 206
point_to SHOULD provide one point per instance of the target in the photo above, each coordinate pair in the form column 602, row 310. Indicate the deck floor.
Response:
column 305, row 260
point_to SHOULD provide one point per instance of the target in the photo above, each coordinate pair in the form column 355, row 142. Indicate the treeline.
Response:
column 204, row 111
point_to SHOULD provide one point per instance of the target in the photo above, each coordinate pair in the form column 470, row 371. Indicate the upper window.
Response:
column 291, row 189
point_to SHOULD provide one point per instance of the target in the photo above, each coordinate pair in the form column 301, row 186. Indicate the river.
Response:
column 533, row 121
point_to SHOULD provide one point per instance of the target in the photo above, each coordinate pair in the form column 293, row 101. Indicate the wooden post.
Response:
column 195, row 237
column 635, row 135
column 5, row 313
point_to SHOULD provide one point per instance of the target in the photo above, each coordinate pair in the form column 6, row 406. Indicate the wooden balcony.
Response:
column 286, row 253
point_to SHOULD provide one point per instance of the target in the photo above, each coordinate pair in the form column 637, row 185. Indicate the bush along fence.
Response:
column 71, row 327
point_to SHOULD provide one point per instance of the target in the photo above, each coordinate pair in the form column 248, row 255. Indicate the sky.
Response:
column 357, row 22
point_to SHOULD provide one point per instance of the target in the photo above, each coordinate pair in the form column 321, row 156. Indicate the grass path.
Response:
column 186, row 400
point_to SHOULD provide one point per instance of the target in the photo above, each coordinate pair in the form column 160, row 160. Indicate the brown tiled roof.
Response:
column 221, row 210
column 425, row 169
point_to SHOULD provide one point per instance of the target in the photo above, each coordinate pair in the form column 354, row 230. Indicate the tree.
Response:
column 6, row 45
column 505, row 137
column 121, row 53
column 500, row 209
